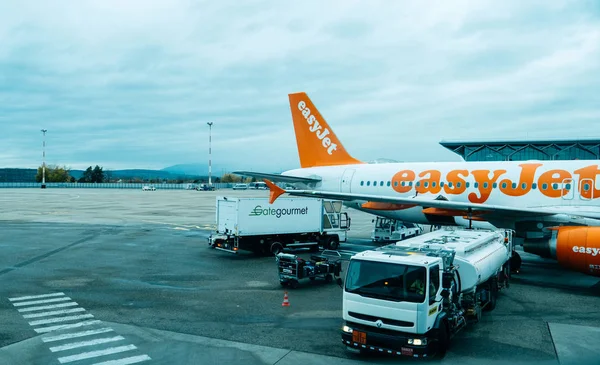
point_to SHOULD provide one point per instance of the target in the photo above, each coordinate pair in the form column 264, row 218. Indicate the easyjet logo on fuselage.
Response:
column 554, row 183
column 316, row 127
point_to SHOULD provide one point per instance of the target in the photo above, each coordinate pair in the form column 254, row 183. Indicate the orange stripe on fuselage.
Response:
column 455, row 182
column 386, row 206
column 449, row 212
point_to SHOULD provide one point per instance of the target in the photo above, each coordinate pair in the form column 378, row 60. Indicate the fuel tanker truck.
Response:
column 410, row 298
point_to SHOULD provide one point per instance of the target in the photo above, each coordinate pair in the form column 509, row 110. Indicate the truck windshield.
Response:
column 395, row 282
column 383, row 223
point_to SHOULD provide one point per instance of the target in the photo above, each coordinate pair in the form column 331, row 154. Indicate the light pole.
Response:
column 209, row 153
column 44, row 160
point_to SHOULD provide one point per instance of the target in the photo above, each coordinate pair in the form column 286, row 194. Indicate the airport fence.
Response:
column 76, row 185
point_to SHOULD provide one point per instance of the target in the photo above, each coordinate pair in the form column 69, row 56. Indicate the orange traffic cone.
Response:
column 286, row 302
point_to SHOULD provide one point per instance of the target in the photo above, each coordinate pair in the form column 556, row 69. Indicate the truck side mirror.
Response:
column 339, row 282
column 447, row 279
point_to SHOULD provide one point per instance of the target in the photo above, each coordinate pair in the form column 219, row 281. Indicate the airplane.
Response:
column 552, row 206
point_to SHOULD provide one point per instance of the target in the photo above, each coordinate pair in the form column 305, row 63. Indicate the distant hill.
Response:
column 186, row 172
column 192, row 169
column 139, row 173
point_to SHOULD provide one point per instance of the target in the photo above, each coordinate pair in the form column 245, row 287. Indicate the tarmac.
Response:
column 130, row 278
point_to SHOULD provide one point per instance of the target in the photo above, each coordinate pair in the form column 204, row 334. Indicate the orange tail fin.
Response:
column 317, row 144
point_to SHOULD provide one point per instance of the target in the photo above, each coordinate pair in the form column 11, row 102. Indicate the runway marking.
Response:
column 181, row 229
column 90, row 354
column 75, row 345
column 125, row 361
column 61, row 305
column 20, row 304
column 77, row 334
column 32, row 306
column 66, row 326
column 48, row 254
column 37, row 296
column 60, row 319
column 169, row 224
column 53, row 313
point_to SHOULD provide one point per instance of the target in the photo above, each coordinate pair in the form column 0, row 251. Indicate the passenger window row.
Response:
column 534, row 186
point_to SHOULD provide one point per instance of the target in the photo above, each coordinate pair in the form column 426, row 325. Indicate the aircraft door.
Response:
column 567, row 189
column 586, row 189
column 346, row 182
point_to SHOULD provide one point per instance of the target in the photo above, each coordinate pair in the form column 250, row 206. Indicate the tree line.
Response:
column 61, row 174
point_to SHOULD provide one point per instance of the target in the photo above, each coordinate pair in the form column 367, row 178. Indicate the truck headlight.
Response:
column 347, row 329
column 417, row 341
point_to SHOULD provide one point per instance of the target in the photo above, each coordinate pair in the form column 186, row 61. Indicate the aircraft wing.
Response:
column 505, row 211
column 278, row 177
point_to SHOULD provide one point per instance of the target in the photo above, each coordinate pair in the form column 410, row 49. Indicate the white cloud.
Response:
column 132, row 83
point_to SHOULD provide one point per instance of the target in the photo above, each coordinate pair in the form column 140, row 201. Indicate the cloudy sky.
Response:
column 131, row 84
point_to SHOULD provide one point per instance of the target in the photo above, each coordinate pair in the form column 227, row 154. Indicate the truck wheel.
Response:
column 333, row 243
column 442, row 340
column 328, row 278
column 493, row 300
column 276, row 248
column 293, row 283
column 515, row 262
column 493, row 295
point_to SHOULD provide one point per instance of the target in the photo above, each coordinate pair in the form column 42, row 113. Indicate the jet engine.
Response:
column 575, row 248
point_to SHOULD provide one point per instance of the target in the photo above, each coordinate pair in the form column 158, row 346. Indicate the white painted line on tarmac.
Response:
column 75, row 345
column 60, row 319
column 20, row 304
column 125, row 361
column 53, row 306
column 89, row 355
column 68, row 336
column 168, row 224
column 65, row 326
column 181, row 229
column 37, row 296
column 53, row 313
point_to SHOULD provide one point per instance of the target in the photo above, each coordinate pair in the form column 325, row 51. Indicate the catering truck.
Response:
column 410, row 298
column 253, row 224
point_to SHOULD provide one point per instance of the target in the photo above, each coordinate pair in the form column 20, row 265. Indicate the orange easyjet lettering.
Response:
column 553, row 183
column 431, row 184
column 401, row 179
column 457, row 185
column 548, row 180
column 485, row 184
column 523, row 186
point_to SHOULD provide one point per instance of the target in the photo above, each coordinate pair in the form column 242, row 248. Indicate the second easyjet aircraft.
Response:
column 552, row 205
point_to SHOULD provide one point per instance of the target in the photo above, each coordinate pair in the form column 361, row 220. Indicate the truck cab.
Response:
column 409, row 298
column 399, row 294
column 390, row 230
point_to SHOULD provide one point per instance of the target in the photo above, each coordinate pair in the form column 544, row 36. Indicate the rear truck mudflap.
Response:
column 392, row 344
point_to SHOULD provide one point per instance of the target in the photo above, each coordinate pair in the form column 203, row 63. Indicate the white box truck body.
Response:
column 411, row 297
column 253, row 224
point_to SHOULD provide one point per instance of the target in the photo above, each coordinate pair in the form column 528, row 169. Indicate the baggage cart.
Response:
column 292, row 268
